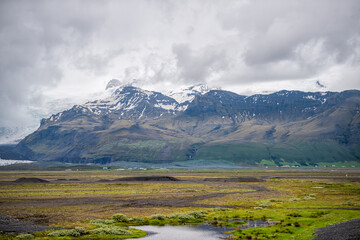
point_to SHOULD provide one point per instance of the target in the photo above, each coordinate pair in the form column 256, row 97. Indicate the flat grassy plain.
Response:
column 295, row 202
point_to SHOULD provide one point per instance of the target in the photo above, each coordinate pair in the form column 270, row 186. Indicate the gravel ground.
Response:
column 349, row 230
column 14, row 226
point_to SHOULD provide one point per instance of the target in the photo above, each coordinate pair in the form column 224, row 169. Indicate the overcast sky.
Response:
column 67, row 48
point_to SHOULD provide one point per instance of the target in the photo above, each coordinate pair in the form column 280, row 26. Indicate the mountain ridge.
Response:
column 148, row 126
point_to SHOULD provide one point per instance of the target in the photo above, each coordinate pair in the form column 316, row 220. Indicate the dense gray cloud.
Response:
column 196, row 67
column 33, row 39
column 55, row 49
column 303, row 36
column 278, row 27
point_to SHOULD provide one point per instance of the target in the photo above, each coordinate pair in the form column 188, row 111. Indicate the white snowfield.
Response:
column 188, row 94
column 120, row 101
column 125, row 101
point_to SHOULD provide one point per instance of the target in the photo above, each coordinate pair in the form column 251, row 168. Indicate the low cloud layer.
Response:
column 56, row 49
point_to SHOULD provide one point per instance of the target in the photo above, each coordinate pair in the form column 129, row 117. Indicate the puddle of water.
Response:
column 254, row 223
column 250, row 223
column 201, row 232
column 204, row 231
column 318, row 187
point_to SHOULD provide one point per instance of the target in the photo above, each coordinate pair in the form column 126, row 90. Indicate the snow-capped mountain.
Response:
column 118, row 100
column 133, row 124
column 129, row 102
column 124, row 103
column 124, row 115
column 186, row 95
column 113, row 83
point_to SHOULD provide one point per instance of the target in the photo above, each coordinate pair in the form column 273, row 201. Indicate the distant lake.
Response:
column 4, row 162
column 202, row 232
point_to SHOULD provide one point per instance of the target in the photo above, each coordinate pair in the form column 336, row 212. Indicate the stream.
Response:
column 190, row 232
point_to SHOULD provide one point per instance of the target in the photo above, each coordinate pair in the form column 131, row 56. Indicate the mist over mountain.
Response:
column 197, row 123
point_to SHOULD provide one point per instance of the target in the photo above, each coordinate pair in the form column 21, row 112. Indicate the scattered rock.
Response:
column 30, row 180
column 104, row 180
column 238, row 179
column 148, row 178
column 63, row 179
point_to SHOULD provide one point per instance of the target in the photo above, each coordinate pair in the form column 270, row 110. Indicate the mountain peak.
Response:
column 113, row 83
column 186, row 95
column 201, row 88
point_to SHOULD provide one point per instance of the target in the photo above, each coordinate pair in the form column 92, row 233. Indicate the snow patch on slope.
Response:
column 188, row 94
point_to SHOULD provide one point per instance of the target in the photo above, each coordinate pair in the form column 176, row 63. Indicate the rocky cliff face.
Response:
column 139, row 125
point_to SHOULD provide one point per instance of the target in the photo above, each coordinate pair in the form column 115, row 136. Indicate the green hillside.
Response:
column 279, row 154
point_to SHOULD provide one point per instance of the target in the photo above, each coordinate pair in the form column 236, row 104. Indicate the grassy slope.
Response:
column 306, row 153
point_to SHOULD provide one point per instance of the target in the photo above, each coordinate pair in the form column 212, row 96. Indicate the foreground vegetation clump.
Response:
column 81, row 230
column 317, row 214
column 186, row 217
column 102, row 222
column 158, row 217
column 182, row 216
column 120, row 218
column 65, row 233
column 198, row 214
column 110, row 230
column 264, row 204
column 309, row 198
column 78, row 231
column 294, row 214
column 25, row 236
column 136, row 219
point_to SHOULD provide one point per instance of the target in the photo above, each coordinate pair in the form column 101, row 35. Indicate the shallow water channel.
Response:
column 199, row 232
